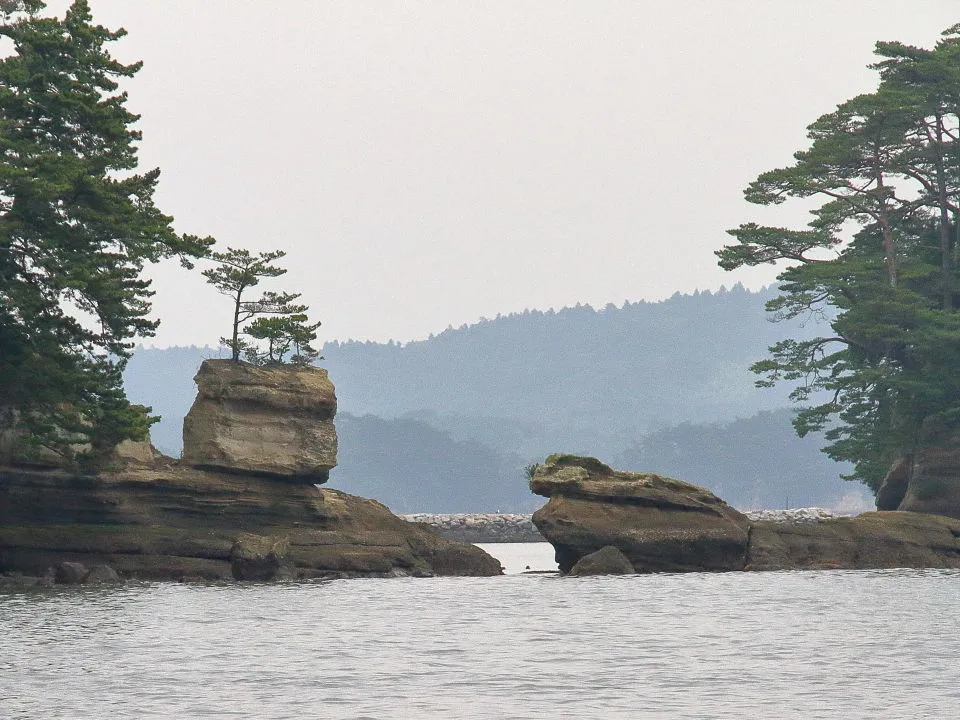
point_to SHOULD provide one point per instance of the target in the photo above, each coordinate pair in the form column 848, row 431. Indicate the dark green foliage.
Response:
column 236, row 272
column 285, row 334
column 77, row 226
column 879, row 257
column 285, row 326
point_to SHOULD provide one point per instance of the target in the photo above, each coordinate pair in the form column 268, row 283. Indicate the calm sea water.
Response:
column 737, row 645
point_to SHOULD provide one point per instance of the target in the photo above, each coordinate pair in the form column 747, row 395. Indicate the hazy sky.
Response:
column 428, row 163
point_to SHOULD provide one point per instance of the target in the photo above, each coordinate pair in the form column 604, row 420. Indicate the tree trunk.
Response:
column 946, row 254
column 883, row 219
column 235, row 346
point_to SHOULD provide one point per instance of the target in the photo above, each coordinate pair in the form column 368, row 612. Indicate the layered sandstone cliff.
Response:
column 242, row 503
column 273, row 421
column 659, row 524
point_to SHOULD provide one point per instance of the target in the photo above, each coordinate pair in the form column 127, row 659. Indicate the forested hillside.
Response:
column 753, row 463
column 448, row 423
column 617, row 370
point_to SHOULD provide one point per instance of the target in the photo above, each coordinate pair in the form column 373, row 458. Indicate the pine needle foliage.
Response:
column 879, row 255
column 78, row 224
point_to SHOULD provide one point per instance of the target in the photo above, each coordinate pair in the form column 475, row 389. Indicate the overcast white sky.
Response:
column 428, row 163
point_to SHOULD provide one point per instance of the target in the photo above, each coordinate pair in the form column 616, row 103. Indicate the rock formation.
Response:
column 871, row 540
column 273, row 421
column 927, row 481
column 605, row 561
column 661, row 524
column 153, row 517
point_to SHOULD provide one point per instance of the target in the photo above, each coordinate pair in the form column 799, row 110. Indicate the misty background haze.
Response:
column 429, row 164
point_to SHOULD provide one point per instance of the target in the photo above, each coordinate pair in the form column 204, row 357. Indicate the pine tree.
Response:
column 879, row 257
column 237, row 271
column 286, row 334
column 276, row 317
column 77, row 226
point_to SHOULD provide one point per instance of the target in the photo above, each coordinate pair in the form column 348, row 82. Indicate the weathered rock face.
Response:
column 271, row 421
column 928, row 480
column 933, row 484
column 871, row 540
column 170, row 521
column 242, row 503
column 659, row 524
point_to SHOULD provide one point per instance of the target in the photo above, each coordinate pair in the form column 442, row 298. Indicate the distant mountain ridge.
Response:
column 591, row 379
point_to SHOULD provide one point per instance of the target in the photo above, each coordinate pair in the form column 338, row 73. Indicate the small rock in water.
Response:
column 608, row 560
column 70, row 573
column 101, row 574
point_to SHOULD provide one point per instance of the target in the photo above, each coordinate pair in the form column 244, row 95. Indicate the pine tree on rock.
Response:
column 277, row 317
column 879, row 256
column 283, row 335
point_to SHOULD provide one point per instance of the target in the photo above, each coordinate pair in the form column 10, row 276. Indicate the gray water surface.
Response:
column 836, row 644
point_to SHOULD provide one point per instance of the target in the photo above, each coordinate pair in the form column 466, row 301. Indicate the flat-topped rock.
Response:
column 660, row 524
column 275, row 421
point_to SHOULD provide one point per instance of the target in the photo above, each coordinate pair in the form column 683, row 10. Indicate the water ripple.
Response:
column 877, row 644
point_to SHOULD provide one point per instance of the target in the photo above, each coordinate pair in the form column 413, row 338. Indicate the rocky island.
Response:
column 244, row 501
column 660, row 524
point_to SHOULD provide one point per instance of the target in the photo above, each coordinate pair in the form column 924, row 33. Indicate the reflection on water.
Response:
column 840, row 644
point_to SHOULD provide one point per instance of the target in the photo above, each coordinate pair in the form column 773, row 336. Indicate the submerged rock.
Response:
column 70, row 573
column 101, row 574
column 658, row 523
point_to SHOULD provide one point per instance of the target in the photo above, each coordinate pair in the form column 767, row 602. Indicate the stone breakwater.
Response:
column 517, row 527
column 480, row 527
column 797, row 516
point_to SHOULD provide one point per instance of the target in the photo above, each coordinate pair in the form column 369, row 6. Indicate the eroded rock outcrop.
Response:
column 926, row 482
column 868, row 541
column 172, row 522
column 659, row 524
column 242, row 504
column 274, row 421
